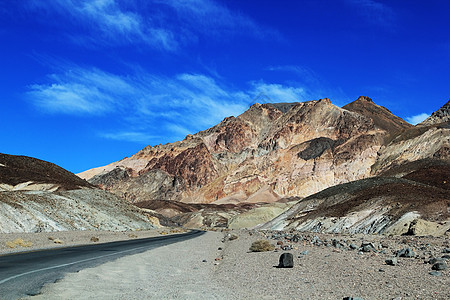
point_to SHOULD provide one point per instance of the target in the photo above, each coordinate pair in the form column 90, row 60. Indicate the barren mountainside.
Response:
column 269, row 152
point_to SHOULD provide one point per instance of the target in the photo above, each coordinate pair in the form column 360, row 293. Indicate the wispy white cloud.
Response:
column 304, row 73
column 279, row 93
column 374, row 12
column 106, row 22
column 214, row 18
column 128, row 136
column 81, row 91
column 149, row 105
column 165, row 25
column 417, row 118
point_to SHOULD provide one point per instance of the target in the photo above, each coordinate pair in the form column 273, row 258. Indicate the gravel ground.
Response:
column 11, row 242
column 197, row 269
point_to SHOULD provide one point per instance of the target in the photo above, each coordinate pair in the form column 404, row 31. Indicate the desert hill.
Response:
column 16, row 170
column 38, row 196
column 416, row 203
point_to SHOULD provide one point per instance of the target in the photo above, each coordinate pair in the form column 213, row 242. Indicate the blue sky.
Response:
column 86, row 83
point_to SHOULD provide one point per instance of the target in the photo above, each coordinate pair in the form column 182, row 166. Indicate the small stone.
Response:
column 435, row 260
column 446, row 250
column 439, row 266
column 435, row 273
column 204, row 260
column 304, row 252
column 353, row 246
column 295, row 239
column 406, row 252
column 280, row 243
column 220, row 248
column 445, row 256
column 367, row 247
column 286, row 261
column 352, row 298
column 381, row 270
column 391, row 261
column 58, row 241
column 286, row 247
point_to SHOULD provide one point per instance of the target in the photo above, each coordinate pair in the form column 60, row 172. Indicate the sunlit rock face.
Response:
column 269, row 152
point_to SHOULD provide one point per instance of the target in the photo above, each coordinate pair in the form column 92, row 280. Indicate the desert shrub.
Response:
column 18, row 242
column 261, row 246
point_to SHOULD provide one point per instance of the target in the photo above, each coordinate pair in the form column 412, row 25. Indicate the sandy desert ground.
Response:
column 213, row 266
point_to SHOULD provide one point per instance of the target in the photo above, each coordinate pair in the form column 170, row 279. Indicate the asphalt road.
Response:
column 25, row 273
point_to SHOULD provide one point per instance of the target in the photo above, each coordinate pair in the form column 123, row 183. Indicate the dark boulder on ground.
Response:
column 439, row 266
column 286, row 260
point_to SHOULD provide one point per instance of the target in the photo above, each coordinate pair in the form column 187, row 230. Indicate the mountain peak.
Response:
column 364, row 98
column 381, row 116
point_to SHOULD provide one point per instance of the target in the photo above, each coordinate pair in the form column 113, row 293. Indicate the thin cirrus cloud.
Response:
column 112, row 22
column 130, row 136
column 105, row 23
column 374, row 12
column 155, row 105
column 213, row 18
column 417, row 118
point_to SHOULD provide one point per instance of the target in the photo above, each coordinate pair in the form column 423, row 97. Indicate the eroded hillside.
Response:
column 38, row 196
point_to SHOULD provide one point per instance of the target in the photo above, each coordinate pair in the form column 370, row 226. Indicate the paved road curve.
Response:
column 25, row 273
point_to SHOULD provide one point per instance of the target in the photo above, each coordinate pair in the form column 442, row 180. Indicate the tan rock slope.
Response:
column 38, row 196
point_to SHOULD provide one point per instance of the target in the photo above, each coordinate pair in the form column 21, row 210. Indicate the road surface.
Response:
column 25, row 273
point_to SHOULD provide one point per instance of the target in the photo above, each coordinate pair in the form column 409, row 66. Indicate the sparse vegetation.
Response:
column 18, row 242
column 261, row 246
column 94, row 239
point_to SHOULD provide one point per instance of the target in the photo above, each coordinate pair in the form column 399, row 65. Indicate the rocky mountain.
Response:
column 37, row 196
column 269, row 152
